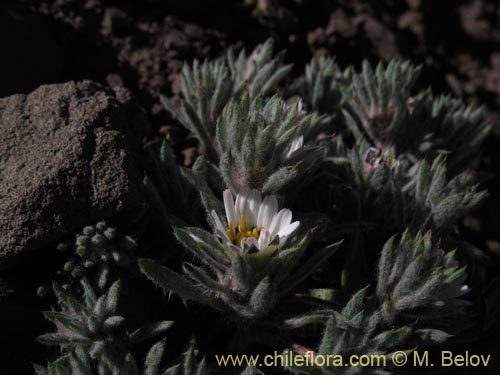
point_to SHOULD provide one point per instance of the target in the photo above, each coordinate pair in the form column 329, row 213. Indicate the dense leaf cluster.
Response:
column 380, row 176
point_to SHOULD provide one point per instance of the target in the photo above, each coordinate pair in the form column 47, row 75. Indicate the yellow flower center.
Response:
column 241, row 231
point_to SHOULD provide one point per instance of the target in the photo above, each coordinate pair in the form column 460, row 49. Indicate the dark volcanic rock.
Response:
column 69, row 156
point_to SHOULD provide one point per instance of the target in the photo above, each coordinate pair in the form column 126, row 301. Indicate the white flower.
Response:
column 252, row 221
column 296, row 144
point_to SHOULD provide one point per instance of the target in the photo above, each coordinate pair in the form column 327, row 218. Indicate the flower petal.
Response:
column 282, row 219
column 249, row 242
column 217, row 221
column 222, row 235
column 229, row 206
column 253, row 204
column 296, row 144
column 264, row 239
column 288, row 229
column 267, row 211
column 241, row 203
column 235, row 249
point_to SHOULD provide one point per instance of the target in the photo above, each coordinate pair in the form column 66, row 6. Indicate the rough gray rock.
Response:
column 69, row 156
